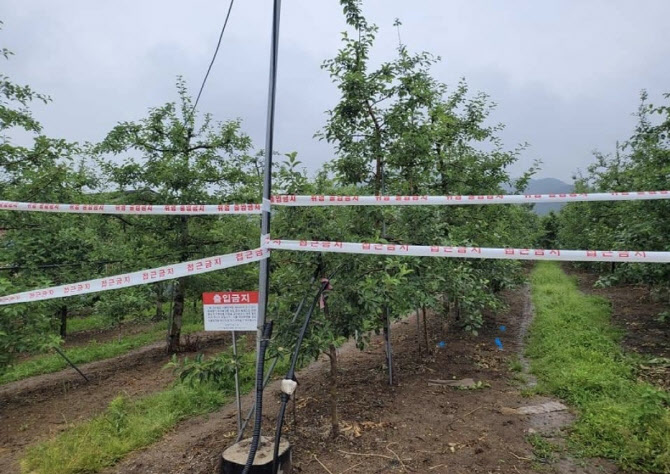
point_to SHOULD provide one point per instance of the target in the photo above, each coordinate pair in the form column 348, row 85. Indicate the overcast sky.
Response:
column 566, row 75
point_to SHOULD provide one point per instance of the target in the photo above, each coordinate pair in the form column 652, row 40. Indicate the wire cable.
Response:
column 216, row 51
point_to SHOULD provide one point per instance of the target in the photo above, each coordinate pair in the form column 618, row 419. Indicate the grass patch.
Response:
column 124, row 427
column 87, row 323
column 128, row 425
column 514, row 364
column 543, row 450
column 98, row 321
column 93, row 351
column 576, row 356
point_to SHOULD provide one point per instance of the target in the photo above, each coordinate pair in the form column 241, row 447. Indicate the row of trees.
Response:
column 166, row 158
column 396, row 130
column 640, row 163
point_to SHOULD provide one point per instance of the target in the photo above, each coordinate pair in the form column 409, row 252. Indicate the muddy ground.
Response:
column 409, row 427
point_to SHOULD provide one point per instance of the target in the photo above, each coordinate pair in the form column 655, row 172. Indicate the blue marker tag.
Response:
column 499, row 343
column 503, row 328
column 441, row 344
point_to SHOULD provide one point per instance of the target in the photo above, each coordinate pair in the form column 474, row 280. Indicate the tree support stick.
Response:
column 387, row 337
column 71, row 363
column 238, row 400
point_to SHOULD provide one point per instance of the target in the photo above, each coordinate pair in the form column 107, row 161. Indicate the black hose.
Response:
column 240, row 435
column 267, row 333
column 290, row 375
column 280, row 416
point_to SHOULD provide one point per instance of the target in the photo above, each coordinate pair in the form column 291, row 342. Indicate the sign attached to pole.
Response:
column 230, row 310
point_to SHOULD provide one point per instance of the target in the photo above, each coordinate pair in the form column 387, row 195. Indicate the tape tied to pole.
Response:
column 266, row 205
column 328, row 287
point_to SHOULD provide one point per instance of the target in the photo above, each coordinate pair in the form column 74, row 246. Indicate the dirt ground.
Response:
column 39, row 407
column 410, row 427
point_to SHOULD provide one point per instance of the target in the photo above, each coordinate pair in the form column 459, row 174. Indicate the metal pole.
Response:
column 237, row 386
column 387, row 317
column 264, row 274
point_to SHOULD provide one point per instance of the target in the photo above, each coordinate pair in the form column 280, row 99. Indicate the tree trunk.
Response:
column 334, row 421
column 62, row 312
column 444, row 187
column 159, row 302
column 387, row 340
column 418, row 330
column 174, row 329
column 425, row 328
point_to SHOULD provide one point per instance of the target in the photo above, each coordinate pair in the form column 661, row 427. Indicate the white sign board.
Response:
column 230, row 310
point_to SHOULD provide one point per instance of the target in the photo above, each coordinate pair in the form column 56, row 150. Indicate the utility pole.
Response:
column 265, row 328
column 264, row 274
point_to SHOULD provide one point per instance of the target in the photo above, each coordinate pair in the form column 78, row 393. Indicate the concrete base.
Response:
column 234, row 458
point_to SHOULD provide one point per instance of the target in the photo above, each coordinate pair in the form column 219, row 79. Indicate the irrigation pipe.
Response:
column 255, row 439
column 289, row 384
column 275, row 360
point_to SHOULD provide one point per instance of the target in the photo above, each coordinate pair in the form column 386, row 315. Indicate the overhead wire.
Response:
column 216, row 51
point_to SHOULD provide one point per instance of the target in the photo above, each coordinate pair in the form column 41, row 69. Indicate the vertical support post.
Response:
column 264, row 274
column 387, row 337
column 418, row 329
column 387, row 316
column 238, row 400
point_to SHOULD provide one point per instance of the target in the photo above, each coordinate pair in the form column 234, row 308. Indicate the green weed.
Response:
column 543, row 450
column 124, row 427
column 576, row 356
column 514, row 364
column 87, row 323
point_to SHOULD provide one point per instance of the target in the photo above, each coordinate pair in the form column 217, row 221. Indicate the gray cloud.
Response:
column 566, row 75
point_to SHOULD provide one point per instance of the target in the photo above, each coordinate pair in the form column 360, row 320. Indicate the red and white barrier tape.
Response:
column 470, row 252
column 168, row 272
column 135, row 209
column 324, row 200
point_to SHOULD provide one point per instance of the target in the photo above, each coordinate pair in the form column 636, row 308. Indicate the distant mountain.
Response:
column 548, row 186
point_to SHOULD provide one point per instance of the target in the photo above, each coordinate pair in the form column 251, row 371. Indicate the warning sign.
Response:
column 230, row 310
